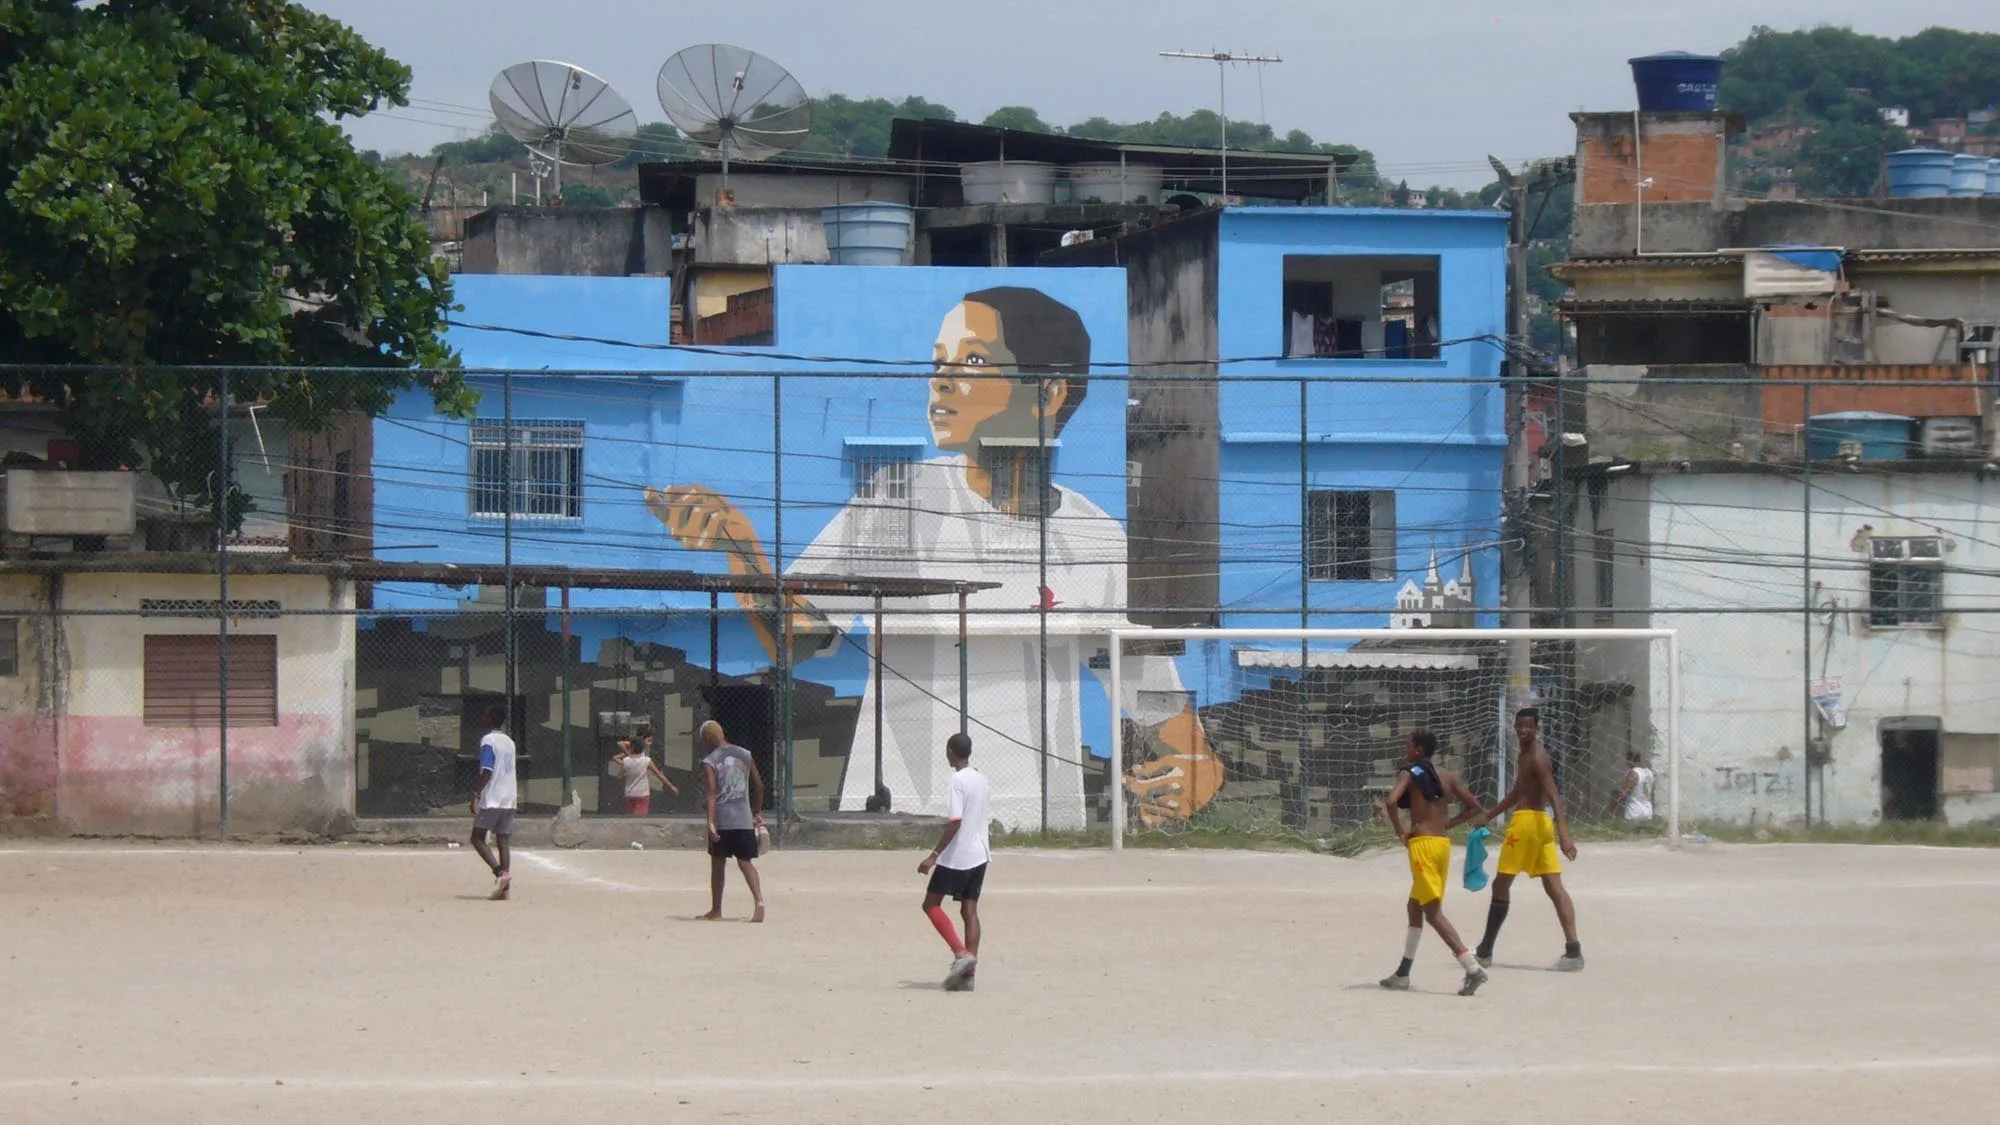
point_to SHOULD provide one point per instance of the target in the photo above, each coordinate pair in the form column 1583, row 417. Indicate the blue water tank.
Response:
column 1919, row 173
column 1968, row 175
column 1993, row 176
column 868, row 234
column 1882, row 437
column 1676, row 82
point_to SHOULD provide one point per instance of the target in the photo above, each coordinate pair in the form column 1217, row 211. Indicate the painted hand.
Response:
column 703, row 519
column 1174, row 786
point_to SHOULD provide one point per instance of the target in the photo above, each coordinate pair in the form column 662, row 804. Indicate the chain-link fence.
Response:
column 618, row 557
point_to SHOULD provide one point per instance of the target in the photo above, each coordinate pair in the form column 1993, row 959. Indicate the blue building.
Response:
column 911, row 449
column 1317, row 439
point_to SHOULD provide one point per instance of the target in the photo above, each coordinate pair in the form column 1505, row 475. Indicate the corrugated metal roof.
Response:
column 1649, row 305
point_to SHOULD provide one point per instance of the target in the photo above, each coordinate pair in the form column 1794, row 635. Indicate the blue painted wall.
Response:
column 1431, row 430
column 663, row 417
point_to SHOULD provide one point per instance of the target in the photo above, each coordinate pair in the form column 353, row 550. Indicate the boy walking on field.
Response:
column 1425, row 790
column 957, row 866
column 493, row 800
column 735, row 793
column 1533, row 838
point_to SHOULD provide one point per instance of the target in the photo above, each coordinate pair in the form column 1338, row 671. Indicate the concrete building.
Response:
column 1728, row 352
column 110, row 696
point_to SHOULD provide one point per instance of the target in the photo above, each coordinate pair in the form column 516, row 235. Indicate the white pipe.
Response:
column 1117, row 780
column 1674, row 740
column 1638, row 189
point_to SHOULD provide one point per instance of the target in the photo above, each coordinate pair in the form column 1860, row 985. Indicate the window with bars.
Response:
column 1351, row 536
column 884, row 505
column 10, row 646
column 1014, row 468
column 1906, row 582
column 536, row 475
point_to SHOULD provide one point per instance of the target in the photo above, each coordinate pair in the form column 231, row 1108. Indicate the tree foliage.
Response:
column 175, row 189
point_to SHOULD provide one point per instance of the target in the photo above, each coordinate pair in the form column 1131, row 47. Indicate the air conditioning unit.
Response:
column 1948, row 437
column 66, row 503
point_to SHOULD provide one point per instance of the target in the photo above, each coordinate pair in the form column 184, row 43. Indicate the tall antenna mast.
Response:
column 1222, row 59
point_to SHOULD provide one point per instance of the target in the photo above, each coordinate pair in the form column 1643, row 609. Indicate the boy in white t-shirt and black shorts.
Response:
column 494, row 799
column 957, row 866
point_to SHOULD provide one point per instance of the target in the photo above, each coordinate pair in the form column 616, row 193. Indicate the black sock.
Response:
column 1403, row 969
column 1572, row 949
column 1496, row 914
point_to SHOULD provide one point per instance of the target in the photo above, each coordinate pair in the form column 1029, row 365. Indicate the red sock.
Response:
column 946, row 930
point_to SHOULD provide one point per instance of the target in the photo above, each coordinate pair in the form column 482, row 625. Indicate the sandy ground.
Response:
column 1725, row 984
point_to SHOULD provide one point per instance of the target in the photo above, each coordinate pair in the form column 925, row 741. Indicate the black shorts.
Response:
column 736, row 843
column 961, row 885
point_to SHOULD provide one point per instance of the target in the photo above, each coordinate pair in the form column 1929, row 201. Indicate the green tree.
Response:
column 494, row 146
column 1018, row 117
column 658, row 141
column 175, row 189
column 586, row 195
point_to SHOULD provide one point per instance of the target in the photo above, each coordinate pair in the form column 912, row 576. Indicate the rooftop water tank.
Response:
column 1993, row 176
column 1116, row 183
column 1008, row 181
column 1882, row 437
column 1919, row 173
column 868, row 234
column 1676, row 82
column 1968, row 175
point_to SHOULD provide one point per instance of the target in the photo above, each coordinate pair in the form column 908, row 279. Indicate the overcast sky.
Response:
column 1430, row 86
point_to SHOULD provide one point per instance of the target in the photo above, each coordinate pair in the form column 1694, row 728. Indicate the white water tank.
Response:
column 1008, row 181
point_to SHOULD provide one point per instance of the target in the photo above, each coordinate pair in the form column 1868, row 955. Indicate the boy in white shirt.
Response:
column 493, row 799
column 957, row 866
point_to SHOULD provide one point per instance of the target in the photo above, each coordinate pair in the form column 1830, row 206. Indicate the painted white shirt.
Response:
column 968, row 800
column 496, row 753
column 955, row 534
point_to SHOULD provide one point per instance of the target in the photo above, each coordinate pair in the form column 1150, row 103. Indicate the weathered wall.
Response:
column 1733, row 540
column 1672, row 413
column 118, row 776
column 29, row 702
column 569, row 241
column 760, row 236
column 750, row 190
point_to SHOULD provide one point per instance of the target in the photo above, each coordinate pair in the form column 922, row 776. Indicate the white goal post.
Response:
column 1414, row 639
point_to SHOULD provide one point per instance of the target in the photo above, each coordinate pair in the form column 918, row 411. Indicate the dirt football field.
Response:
column 1725, row 984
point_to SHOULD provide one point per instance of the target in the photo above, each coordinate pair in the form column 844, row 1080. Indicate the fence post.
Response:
column 514, row 726
column 1042, row 578
column 222, row 617
column 1805, row 618
column 782, row 753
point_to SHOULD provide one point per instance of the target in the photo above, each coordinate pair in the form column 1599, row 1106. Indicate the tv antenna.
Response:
column 564, row 114
column 734, row 102
column 1222, row 59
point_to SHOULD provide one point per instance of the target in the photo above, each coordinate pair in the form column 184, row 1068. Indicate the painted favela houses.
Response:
column 910, row 452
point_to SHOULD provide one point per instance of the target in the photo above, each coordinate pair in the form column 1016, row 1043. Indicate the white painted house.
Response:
column 1902, row 568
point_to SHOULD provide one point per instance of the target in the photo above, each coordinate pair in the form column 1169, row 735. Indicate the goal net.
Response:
column 1300, row 732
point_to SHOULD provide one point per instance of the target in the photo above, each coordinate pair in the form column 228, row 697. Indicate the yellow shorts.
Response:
column 1430, row 863
column 1531, row 845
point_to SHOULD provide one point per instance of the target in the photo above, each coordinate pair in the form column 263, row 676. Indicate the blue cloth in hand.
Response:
column 1475, row 860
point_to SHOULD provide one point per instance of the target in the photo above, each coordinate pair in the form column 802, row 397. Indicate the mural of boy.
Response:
column 1009, row 364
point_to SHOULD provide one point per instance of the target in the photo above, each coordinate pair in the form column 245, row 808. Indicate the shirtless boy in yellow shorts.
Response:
column 1424, row 789
column 1533, row 838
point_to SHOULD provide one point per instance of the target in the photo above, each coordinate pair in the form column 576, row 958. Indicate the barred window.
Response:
column 1905, row 582
column 884, row 506
column 538, row 475
column 1352, row 536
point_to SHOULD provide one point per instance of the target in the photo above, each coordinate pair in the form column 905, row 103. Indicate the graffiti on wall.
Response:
column 1010, row 366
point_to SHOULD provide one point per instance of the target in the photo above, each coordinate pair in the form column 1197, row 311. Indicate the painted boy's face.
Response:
column 970, row 397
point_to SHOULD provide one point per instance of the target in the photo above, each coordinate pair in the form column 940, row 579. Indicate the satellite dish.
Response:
column 564, row 114
column 736, row 102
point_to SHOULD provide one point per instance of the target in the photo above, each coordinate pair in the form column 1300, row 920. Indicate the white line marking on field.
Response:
column 267, row 1085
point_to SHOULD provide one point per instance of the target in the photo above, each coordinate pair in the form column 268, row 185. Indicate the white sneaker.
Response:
column 1473, row 980
column 959, row 969
column 501, row 885
column 1568, row 964
column 1396, row 983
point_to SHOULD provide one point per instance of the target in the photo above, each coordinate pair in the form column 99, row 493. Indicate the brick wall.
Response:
column 1682, row 155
